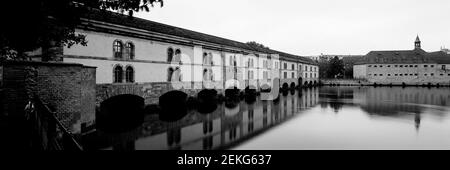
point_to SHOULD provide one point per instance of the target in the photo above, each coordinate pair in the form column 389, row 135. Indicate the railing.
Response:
column 48, row 131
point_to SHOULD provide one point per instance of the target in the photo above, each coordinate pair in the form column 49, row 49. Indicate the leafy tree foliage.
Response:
column 257, row 45
column 27, row 26
column 331, row 68
column 335, row 68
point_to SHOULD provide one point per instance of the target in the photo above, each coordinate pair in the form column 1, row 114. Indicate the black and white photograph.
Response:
column 243, row 75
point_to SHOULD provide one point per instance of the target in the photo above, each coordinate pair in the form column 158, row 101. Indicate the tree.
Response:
column 323, row 67
column 335, row 68
column 27, row 26
column 257, row 45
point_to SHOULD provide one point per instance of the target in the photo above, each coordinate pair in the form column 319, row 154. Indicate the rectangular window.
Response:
column 416, row 74
column 432, row 65
column 285, row 66
column 396, row 74
column 293, row 76
column 381, row 66
column 293, row 67
column 410, row 74
column 370, row 66
column 415, row 65
column 389, row 75
column 375, row 66
column 425, row 74
column 396, row 66
column 442, row 74
column 374, row 74
column 285, row 75
column 443, row 67
column 381, row 74
column 401, row 65
column 411, row 66
column 389, row 66
column 432, row 74
column 425, row 65
column 401, row 74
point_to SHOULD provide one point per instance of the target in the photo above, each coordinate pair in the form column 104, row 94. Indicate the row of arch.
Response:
column 123, row 51
column 122, row 75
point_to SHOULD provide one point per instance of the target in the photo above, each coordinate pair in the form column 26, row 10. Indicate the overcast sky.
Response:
column 315, row 26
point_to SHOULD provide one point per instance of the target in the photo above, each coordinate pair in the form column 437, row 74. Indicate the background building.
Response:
column 410, row 67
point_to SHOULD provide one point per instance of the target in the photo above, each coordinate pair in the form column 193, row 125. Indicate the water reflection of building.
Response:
column 225, row 126
column 336, row 98
column 395, row 102
column 407, row 103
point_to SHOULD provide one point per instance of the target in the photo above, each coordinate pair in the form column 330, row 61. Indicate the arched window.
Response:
column 118, row 74
column 169, row 54
column 117, row 49
column 169, row 74
column 129, row 48
column 211, row 59
column 205, row 75
column 205, row 58
column 177, row 56
column 129, row 74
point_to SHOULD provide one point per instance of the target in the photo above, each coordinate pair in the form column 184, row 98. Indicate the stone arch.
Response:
column 207, row 101
column 168, row 100
column 120, row 113
column 232, row 91
column 285, row 86
column 292, row 86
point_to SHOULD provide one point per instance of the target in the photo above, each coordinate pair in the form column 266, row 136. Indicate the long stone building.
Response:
column 134, row 51
column 404, row 67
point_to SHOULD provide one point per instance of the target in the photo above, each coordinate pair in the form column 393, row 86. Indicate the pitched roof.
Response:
column 125, row 20
column 404, row 57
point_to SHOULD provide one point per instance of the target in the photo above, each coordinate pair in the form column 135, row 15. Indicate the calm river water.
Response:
column 317, row 118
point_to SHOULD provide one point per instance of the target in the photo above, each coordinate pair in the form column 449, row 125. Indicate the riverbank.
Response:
column 362, row 82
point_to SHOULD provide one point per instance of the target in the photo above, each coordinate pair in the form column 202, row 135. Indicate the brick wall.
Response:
column 67, row 88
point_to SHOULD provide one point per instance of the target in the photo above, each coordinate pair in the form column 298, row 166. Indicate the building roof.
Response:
column 405, row 57
column 125, row 20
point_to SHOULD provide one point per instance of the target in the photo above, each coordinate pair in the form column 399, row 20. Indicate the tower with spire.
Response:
column 417, row 43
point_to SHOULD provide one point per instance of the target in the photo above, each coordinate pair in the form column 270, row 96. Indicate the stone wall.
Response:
column 345, row 82
column 68, row 89
column 410, row 74
column 149, row 91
